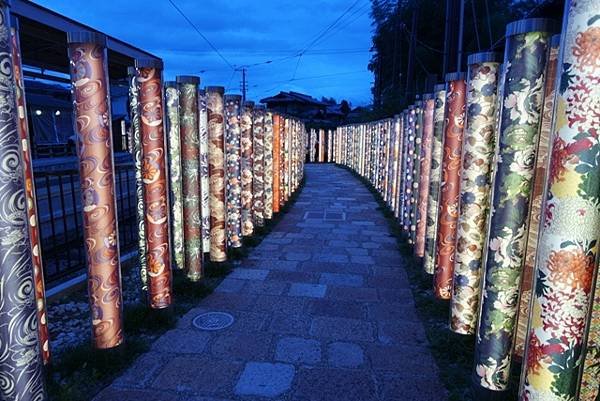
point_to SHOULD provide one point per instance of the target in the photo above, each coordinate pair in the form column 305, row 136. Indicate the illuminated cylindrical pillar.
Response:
column 456, row 89
column 175, row 173
column 20, row 359
column 567, row 254
column 134, row 108
column 478, row 152
column 258, row 166
column 276, row 162
column 30, row 196
column 268, row 150
column 527, row 45
column 154, row 177
column 330, row 146
column 91, row 105
column 190, row 167
column 216, row 170
column 233, row 156
column 204, row 177
column 403, row 170
column 409, row 167
column 425, row 172
column 247, row 168
column 414, row 213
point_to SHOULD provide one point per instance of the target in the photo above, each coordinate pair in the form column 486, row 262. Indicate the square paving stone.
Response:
column 407, row 387
column 393, row 311
column 307, row 290
column 230, row 284
column 337, row 328
column 284, row 323
column 294, row 276
column 320, row 384
column 249, row 274
column 182, row 341
column 266, row 287
column 336, row 308
column 269, row 264
column 114, row 394
column 345, row 355
column 388, row 282
column 243, row 346
column 404, row 358
column 298, row 351
column 401, row 332
column 341, row 279
column 228, row 301
column 265, row 379
column 275, row 303
column 362, row 259
column 298, row 256
column 353, row 294
column 143, row 370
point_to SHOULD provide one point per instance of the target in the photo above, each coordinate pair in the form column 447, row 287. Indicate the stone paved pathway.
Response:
column 323, row 312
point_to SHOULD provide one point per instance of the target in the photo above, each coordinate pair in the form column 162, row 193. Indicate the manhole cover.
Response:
column 212, row 321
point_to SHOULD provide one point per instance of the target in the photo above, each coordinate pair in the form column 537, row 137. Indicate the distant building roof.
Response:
column 287, row 97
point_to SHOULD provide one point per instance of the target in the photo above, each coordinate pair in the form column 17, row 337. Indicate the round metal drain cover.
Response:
column 212, row 321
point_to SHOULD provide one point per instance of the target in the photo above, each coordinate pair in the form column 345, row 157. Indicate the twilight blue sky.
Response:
column 246, row 32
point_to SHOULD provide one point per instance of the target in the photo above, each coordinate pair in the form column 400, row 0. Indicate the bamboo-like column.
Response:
column 404, row 173
column 425, row 172
column 398, row 164
column 233, row 156
column 284, row 162
column 409, row 167
column 204, row 176
column 154, row 177
column 247, row 168
column 30, row 196
column 567, row 255
column 175, row 172
column 216, row 169
column 276, row 162
column 20, row 359
column 527, row 45
column 190, row 167
column 91, row 105
column 414, row 201
column 258, row 167
column 268, row 151
column 450, row 183
column 478, row 152
column 134, row 109
column 330, row 146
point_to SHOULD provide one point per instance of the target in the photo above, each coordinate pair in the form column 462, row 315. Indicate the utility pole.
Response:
column 244, row 85
column 451, row 37
column 461, row 19
column 410, row 67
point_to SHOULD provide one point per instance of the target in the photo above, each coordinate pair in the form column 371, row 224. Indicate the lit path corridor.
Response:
column 322, row 308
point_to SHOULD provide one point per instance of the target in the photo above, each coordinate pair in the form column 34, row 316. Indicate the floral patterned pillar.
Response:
column 409, row 168
column 30, row 196
column 405, row 177
column 537, row 196
column 233, row 156
column 204, row 177
column 216, row 170
column 527, row 44
column 424, row 177
column 567, row 255
column 22, row 366
column 134, row 109
column 258, row 165
column 478, row 152
column 175, row 173
column 190, row 167
column 276, row 162
column 329, row 146
column 450, row 183
column 246, row 168
column 91, row 105
column 414, row 210
column 154, row 177
column 268, row 148
column 321, row 145
column 397, row 164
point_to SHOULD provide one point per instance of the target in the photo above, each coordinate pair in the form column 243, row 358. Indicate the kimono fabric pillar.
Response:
column 154, row 177
column 204, row 178
column 537, row 196
column 190, row 168
column 567, row 254
column 478, row 152
column 397, row 165
column 402, row 173
column 410, row 132
column 30, row 196
column 268, row 150
column 20, row 359
column 91, row 106
column 134, row 109
column 246, row 168
column 456, row 88
column 216, row 170
column 425, row 160
column 233, row 155
column 283, row 123
column 276, row 161
column 175, row 172
column 258, row 167
column 416, row 171
column 525, row 57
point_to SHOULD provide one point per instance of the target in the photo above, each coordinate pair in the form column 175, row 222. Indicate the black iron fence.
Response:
column 60, row 218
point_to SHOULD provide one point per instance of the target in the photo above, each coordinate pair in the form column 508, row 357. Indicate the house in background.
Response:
column 296, row 104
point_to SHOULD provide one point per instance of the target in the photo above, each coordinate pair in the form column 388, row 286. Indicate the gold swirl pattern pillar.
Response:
column 216, row 169
column 20, row 359
column 204, row 177
column 425, row 172
column 134, row 108
column 478, row 152
column 258, row 167
column 91, row 105
column 175, row 174
column 154, row 177
column 246, row 168
column 190, row 167
column 30, row 197
column 233, row 155
column 268, row 150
